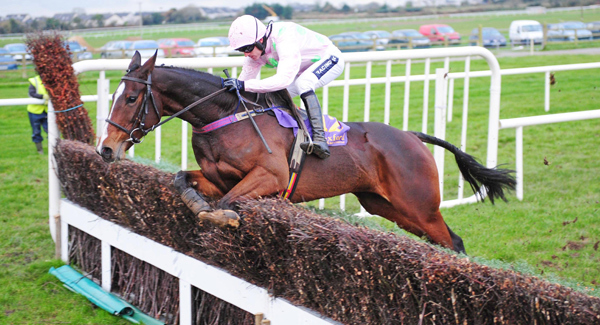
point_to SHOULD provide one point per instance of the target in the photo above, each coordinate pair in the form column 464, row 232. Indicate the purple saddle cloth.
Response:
column 336, row 132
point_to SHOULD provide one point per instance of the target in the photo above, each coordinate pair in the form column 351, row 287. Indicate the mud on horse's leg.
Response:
column 199, row 207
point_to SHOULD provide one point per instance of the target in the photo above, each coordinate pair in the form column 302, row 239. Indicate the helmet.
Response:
column 246, row 30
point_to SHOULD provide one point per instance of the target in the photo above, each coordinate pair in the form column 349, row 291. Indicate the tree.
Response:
column 257, row 11
column 155, row 19
column 189, row 14
column 99, row 20
column 52, row 23
column 15, row 26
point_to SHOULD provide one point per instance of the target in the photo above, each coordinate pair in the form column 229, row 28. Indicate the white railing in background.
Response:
column 520, row 122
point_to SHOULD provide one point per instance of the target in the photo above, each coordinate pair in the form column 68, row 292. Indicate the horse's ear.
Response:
column 136, row 61
column 149, row 64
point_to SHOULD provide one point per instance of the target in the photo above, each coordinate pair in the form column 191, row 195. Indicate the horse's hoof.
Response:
column 221, row 218
column 180, row 181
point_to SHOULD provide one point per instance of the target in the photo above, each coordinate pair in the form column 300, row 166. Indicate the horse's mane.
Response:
column 280, row 98
column 195, row 74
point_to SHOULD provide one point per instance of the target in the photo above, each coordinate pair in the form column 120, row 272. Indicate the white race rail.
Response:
column 520, row 122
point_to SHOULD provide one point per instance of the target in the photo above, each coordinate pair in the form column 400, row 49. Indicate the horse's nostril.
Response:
column 106, row 153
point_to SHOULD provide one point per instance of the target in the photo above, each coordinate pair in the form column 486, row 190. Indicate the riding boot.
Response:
column 40, row 149
column 313, row 109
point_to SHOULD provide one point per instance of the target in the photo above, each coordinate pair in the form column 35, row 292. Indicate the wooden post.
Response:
column 58, row 244
column 258, row 318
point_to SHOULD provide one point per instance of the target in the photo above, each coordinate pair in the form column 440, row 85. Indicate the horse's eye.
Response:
column 131, row 99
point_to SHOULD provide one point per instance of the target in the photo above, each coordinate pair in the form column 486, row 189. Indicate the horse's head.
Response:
column 134, row 111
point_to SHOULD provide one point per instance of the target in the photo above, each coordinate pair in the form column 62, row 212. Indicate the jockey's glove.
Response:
column 233, row 84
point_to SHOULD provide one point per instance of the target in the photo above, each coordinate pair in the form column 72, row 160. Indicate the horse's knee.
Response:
column 180, row 181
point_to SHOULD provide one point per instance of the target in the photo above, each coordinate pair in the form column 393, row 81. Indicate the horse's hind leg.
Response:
column 420, row 223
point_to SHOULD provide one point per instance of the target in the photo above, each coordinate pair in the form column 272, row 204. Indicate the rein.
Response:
column 141, row 118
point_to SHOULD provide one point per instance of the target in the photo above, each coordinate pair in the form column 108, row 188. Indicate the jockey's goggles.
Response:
column 246, row 48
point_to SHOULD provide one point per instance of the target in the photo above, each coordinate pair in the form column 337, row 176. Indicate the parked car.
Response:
column 115, row 50
column 439, row 33
column 214, row 46
column 79, row 52
column 381, row 37
column 147, row 48
column 104, row 48
column 490, row 37
column 6, row 60
column 568, row 31
column 594, row 27
column 352, row 42
column 523, row 31
column 17, row 50
column 403, row 36
column 177, row 46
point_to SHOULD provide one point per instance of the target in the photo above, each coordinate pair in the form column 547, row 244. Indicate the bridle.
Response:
column 143, row 112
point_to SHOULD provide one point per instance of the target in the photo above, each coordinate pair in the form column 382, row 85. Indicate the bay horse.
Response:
column 391, row 172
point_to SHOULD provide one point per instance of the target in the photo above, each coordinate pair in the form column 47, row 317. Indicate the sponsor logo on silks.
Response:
column 325, row 66
column 317, row 58
column 336, row 132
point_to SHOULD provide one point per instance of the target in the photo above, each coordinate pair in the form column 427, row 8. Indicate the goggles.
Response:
column 246, row 48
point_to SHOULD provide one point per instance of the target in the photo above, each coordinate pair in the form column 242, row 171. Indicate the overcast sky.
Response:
column 48, row 8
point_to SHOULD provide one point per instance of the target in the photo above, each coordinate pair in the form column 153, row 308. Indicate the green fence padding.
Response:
column 76, row 282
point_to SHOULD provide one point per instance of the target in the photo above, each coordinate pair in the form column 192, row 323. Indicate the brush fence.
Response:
column 189, row 271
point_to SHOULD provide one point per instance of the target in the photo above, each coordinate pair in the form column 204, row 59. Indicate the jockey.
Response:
column 305, row 61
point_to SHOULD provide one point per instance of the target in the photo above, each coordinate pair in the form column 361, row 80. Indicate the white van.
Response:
column 523, row 31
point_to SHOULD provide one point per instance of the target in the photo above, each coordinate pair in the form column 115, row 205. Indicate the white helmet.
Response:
column 246, row 30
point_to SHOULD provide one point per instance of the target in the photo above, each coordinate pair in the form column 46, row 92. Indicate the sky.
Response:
column 48, row 8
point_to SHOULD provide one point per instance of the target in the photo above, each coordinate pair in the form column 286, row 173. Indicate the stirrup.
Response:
column 310, row 147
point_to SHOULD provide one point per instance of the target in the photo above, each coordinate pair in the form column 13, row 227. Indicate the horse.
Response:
column 392, row 172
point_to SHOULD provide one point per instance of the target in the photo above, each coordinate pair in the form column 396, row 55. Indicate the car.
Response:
column 568, row 30
column 594, row 27
column 381, row 37
column 490, row 37
column 104, row 48
column 147, row 48
column 17, row 50
column 352, row 42
column 115, row 49
column 6, row 60
column 404, row 36
column 177, row 47
column 78, row 52
column 523, row 31
column 440, row 33
column 214, row 46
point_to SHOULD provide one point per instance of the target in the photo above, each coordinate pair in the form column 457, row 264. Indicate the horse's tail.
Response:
column 483, row 180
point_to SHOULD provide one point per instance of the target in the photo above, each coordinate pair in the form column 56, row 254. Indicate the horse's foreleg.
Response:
column 193, row 198
column 259, row 182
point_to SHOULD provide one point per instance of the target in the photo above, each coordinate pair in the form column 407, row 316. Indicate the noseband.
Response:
column 141, row 118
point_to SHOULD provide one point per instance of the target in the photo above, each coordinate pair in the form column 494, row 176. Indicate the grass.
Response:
column 553, row 232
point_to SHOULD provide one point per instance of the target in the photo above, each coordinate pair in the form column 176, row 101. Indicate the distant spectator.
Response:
column 38, row 113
